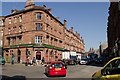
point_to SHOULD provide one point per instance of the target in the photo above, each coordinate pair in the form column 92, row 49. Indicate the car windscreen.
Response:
column 57, row 65
column 73, row 57
column 85, row 59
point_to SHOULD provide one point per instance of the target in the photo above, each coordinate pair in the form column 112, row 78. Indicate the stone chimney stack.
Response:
column 29, row 4
column 14, row 11
column 44, row 6
column 77, row 34
column 71, row 29
column 65, row 23
column 50, row 10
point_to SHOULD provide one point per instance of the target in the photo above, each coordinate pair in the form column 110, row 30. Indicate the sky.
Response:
column 87, row 18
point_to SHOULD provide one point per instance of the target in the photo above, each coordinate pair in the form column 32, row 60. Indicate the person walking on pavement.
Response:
column 12, row 59
column 27, row 61
column 34, row 61
column 43, row 60
column 19, row 55
column 31, row 62
column 27, row 57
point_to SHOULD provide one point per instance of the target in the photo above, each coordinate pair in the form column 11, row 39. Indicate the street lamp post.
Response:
column 100, row 48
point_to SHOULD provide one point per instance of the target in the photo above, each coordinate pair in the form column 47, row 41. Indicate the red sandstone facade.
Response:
column 1, row 33
column 37, row 31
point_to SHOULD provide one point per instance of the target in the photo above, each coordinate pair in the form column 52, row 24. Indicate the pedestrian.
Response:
column 31, row 63
column 43, row 60
column 34, row 61
column 19, row 55
column 27, row 61
column 12, row 59
column 3, row 61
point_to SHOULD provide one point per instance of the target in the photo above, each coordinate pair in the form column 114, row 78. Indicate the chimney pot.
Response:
column 49, row 10
column 44, row 6
column 65, row 23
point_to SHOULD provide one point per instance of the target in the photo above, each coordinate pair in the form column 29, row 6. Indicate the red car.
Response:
column 56, row 68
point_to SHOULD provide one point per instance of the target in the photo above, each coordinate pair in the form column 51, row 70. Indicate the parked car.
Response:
column 56, row 68
column 72, row 62
column 99, row 60
column 65, row 61
column 90, row 61
column 83, row 61
column 111, row 71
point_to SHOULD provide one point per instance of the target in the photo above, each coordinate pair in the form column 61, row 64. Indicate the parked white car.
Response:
column 83, row 61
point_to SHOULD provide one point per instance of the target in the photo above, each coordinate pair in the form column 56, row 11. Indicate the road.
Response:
column 20, row 70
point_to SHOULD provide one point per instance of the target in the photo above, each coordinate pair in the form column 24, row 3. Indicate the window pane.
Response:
column 38, row 15
column 20, row 18
column 38, row 26
column 35, row 39
column 38, row 39
column 9, row 20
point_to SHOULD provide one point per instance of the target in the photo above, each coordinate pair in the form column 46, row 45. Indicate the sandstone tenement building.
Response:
column 35, row 32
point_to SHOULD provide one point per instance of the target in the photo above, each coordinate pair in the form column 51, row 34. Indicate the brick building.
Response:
column 113, row 30
column 1, row 33
column 35, row 32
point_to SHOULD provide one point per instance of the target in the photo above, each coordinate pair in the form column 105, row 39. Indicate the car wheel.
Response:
column 64, row 76
column 47, row 74
column 92, row 79
column 79, row 63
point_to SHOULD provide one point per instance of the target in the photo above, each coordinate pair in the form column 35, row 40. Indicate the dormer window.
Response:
column 38, row 15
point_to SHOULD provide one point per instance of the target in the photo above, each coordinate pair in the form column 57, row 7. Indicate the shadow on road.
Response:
column 95, row 64
column 46, row 74
column 17, row 77
column 53, row 76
